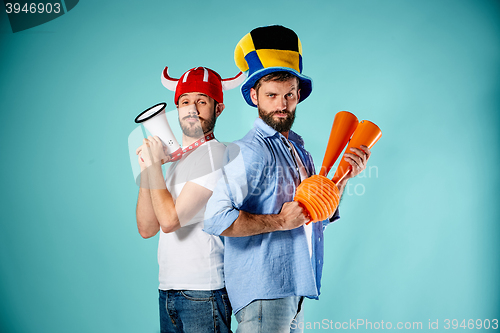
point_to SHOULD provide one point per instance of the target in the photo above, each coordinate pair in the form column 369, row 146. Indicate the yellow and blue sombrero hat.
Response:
column 270, row 49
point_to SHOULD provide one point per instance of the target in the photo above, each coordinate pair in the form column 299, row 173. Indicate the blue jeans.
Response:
column 195, row 311
column 271, row 315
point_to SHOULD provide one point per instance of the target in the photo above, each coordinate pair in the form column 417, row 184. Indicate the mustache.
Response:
column 284, row 112
column 193, row 117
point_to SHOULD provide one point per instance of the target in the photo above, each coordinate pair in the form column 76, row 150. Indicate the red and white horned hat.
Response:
column 200, row 79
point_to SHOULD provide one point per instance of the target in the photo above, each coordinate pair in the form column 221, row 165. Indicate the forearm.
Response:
column 341, row 185
column 147, row 224
column 247, row 224
column 253, row 224
column 162, row 202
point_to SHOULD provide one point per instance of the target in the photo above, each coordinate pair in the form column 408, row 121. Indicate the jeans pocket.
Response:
column 197, row 295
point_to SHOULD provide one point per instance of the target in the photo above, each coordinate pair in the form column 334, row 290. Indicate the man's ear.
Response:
column 298, row 95
column 253, row 95
column 219, row 108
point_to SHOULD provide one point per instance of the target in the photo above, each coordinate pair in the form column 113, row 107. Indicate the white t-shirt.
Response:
column 189, row 258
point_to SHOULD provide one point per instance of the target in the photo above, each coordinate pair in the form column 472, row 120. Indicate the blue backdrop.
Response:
column 418, row 238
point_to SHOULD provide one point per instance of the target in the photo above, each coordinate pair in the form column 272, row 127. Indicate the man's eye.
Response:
column 184, row 102
column 271, row 95
column 202, row 102
column 290, row 94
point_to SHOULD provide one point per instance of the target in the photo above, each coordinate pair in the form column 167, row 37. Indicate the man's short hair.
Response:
column 275, row 76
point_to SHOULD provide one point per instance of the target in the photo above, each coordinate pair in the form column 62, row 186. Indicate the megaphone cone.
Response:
column 367, row 134
column 155, row 120
column 343, row 126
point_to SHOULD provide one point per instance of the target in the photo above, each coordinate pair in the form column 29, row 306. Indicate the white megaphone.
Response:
column 155, row 120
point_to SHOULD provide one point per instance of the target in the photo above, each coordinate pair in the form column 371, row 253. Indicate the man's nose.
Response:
column 192, row 110
column 281, row 103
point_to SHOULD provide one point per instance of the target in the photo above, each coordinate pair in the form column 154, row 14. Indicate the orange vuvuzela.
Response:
column 319, row 195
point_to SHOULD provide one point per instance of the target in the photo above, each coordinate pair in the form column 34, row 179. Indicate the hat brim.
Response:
column 305, row 82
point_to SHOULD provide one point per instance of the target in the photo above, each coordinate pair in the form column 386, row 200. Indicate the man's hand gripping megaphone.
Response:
column 152, row 151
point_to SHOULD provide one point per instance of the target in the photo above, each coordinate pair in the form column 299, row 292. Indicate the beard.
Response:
column 197, row 129
column 281, row 124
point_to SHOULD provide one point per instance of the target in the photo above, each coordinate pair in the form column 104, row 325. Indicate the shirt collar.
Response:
column 264, row 128
column 268, row 131
column 292, row 136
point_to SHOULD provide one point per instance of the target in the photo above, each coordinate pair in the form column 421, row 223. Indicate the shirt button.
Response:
column 319, row 261
column 319, row 239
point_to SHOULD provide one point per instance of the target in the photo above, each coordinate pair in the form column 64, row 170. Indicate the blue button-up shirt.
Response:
column 259, row 178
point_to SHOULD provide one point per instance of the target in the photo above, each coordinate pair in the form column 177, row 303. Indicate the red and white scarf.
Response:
column 176, row 155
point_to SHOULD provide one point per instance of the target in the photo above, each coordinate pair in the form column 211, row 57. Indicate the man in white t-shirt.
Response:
column 192, row 294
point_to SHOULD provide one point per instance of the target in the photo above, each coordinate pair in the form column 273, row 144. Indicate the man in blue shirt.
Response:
column 272, row 258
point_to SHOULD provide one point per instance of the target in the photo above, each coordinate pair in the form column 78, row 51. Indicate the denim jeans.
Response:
column 272, row 315
column 195, row 311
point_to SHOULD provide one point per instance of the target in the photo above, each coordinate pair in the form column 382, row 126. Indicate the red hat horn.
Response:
column 233, row 82
column 169, row 82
